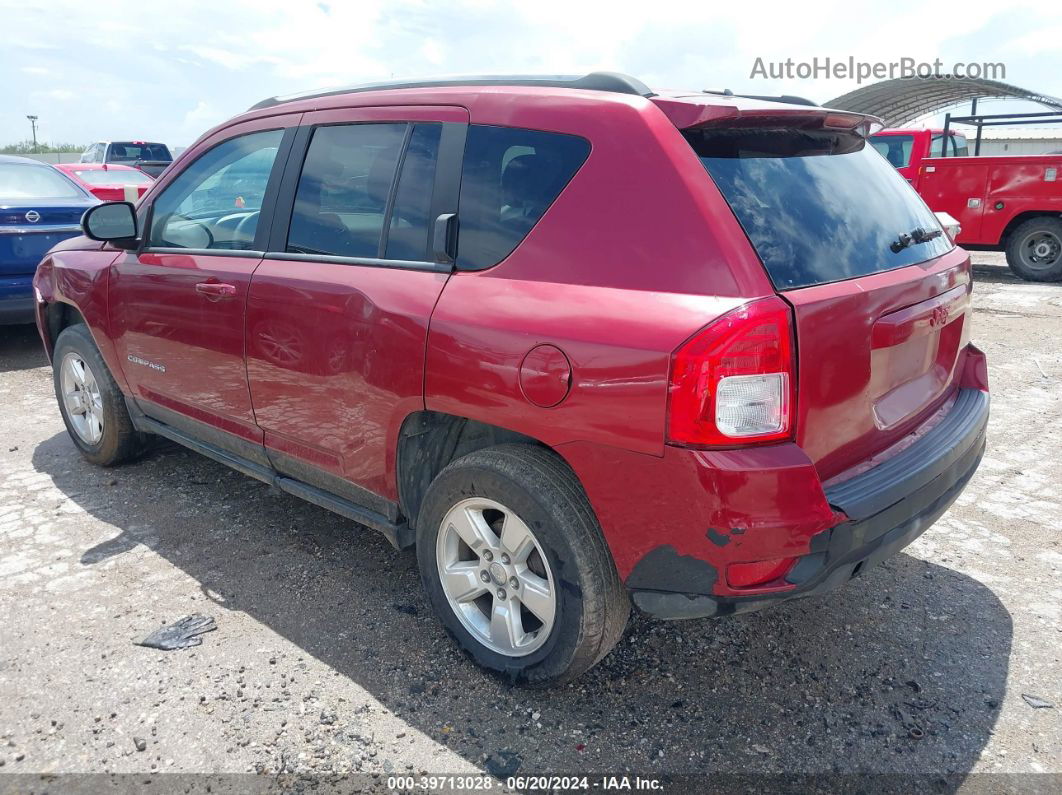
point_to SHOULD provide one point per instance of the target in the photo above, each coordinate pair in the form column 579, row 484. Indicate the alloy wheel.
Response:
column 82, row 398
column 496, row 577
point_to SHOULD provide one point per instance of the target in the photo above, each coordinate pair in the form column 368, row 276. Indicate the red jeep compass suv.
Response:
column 579, row 342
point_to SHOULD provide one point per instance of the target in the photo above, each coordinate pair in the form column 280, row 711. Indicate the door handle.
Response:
column 444, row 239
column 216, row 291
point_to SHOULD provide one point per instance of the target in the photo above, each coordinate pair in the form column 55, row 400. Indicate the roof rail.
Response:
column 614, row 82
column 787, row 98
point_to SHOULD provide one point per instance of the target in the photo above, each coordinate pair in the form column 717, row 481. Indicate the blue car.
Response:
column 39, row 207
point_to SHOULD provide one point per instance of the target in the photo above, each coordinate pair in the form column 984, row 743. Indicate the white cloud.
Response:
column 168, row 71
column 229, row 58
column 200, row 119
column 432, row 52
column 1036, row 42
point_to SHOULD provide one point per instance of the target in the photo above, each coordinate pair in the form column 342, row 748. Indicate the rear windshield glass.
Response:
column 35, row 182
column 97, row 176
column 130, row 152
column 818, row 206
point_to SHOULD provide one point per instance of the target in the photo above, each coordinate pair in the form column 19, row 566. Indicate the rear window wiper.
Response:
column 915, row 236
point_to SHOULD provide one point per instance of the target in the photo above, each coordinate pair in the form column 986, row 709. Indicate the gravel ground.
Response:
column 327, row 659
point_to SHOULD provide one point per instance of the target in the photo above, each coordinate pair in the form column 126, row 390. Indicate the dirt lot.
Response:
column 327, row 658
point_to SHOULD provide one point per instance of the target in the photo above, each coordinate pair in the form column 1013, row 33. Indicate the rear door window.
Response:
column 407, row 236
column 341, row 201
column 894, row 148
column 510, row 177
column 818, row 206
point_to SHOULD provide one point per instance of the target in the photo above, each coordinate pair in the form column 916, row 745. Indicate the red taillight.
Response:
column 733, row 382
column 762, row 572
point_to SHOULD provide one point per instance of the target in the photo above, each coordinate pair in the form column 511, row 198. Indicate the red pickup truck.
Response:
column 1011, row 204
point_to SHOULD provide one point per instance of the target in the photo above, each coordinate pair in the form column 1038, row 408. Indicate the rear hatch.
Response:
column 39, row 207
column 879, row 294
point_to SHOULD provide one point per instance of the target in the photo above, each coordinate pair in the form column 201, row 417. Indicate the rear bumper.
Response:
column 16, row 300
column 887, row 508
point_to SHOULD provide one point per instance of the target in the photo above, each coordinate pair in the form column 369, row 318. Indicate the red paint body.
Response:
column 113, row 190
column 568, row 340
column 989, row 196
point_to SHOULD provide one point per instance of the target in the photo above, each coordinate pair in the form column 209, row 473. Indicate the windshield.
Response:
column 894, row 148
column 130, row 152
column 35, row 182
column 97, row 176
column 818, row 206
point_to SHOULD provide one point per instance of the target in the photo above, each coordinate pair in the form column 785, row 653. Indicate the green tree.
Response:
column 26, row 148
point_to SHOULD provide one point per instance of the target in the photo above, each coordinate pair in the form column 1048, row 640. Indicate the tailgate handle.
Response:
column 922, row 318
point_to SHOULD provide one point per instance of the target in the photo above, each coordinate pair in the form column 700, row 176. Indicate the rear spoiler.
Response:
column 788, row 99
column 687, row 115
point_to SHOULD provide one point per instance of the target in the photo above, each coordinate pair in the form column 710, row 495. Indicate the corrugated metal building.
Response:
column 1016, row 140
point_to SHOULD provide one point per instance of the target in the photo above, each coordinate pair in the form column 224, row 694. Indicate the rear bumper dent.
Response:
column 888, row 508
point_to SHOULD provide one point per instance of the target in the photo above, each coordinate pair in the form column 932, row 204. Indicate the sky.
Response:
column 168, row 71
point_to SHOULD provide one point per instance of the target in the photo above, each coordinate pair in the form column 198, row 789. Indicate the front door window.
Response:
column 215, row 204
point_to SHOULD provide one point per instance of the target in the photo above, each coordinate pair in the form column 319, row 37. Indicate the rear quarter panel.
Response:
column 638, row 252
column 618, row 343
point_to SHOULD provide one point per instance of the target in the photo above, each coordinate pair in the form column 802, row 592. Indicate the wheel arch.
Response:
column 429, row 440
column 59, row 315
column 1020, row 219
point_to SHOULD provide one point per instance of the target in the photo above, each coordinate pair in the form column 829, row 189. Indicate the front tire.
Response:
column 516, row 567
column 91, row 403
column 1034, row 250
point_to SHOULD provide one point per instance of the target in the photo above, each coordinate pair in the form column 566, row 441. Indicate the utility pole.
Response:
column 33, row 124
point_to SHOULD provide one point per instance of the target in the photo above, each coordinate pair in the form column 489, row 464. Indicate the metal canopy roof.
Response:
column 903, row 100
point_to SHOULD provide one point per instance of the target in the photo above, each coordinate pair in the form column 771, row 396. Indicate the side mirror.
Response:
column 112, row 222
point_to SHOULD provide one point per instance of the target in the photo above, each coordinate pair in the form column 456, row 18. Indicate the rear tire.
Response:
column 1034, row 250
column 537, row 562
column 91, row 403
